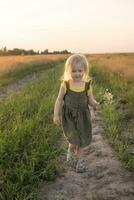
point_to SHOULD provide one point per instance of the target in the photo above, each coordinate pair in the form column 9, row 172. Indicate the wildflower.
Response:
column 108, row 97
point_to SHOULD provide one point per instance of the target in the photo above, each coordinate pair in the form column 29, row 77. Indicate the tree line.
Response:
column 16, row 51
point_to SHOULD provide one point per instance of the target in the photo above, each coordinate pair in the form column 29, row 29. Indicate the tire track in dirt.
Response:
column 21, row 83
column 16, row 86
column 104, row 179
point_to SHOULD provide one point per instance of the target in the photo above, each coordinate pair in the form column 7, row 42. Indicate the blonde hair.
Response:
column 75, row 60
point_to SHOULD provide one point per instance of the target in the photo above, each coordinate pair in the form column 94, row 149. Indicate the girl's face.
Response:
column 77, row 72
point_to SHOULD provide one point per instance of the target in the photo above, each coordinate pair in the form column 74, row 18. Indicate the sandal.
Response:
column 71, row 159
column 81, row 166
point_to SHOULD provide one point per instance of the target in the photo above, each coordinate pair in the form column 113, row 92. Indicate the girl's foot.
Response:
column 69, row 155
column 81, row 166
column 71, row 159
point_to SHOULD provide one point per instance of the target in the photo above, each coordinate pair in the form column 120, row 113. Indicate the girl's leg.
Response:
column 80, row 167
column 72, row 147
column 78, row 152
column 71, row 151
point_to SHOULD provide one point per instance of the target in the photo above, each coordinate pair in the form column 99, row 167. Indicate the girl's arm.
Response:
column 92, row 100
column 58, row 106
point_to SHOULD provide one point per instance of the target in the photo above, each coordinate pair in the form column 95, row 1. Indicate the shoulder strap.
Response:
column 67, row 84
column 88, row 85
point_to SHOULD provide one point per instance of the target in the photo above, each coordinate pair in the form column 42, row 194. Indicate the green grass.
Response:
column 29, row 141
column 113, row 115
column 11, row 77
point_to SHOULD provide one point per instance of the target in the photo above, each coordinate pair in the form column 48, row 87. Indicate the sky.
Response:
column 80, row 26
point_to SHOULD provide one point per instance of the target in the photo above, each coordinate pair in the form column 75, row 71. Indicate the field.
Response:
column 114, row 74
column 13, row 68
column 29, row 141
column 121, row 63
column 9, row 64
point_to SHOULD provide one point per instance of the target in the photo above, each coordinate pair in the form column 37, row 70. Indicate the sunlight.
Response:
column 59, row 25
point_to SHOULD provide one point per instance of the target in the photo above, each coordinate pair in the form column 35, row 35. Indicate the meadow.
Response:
column 13, row 68
column 30, row 142
column 122, row 63
column 115, row 73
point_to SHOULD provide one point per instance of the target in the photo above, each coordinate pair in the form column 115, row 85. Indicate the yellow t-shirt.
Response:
column 76, row 89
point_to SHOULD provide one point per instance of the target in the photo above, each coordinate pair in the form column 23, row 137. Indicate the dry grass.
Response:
column 12, row 63
column 122, row 63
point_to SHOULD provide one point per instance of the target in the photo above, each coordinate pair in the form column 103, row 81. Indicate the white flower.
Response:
column 108, row 96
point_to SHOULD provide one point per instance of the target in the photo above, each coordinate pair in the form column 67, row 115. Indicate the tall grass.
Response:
column 117, row 113
column 123, row 63
column 9, row 64
column 29, row 141
column 20, row 66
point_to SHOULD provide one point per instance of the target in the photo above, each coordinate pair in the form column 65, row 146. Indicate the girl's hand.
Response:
column 97, row 106
column 57, row 120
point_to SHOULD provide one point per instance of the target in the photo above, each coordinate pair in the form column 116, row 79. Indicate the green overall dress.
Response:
column 76, row 117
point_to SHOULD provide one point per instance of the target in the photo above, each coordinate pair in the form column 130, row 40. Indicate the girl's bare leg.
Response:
column 72, row 147
column 80, row 166
column 71, row 152
column 79, row 152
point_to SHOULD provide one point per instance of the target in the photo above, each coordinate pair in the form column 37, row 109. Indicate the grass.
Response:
column 10, row 72
column 9, row 64
column 29, row 141
column 123, row 63
column 120, row 111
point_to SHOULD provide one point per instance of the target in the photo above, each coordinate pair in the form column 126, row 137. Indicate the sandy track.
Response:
column 21, row 83
column 104, row 179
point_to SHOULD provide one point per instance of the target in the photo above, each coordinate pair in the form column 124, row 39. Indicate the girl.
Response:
column 72, row 108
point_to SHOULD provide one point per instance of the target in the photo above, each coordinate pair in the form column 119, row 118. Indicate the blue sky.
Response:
column 86, row 26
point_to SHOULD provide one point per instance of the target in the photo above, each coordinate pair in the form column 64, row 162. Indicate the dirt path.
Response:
column 19, row 84
column 105, row 178
column 16, row 86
